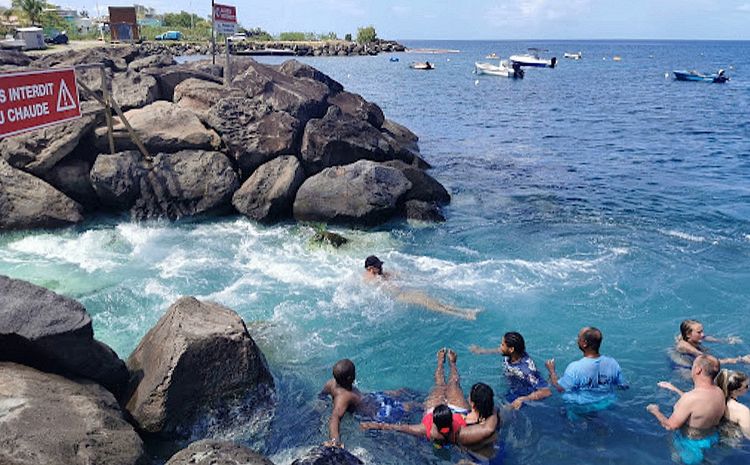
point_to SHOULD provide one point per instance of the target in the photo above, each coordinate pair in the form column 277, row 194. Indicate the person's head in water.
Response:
column 442, row 417
column 482, row 399
column 733, row 383
column 691, row 331
column 344, row 373
column 707, row 366
column 513, row 343
column 590, row 339
column 373, row 265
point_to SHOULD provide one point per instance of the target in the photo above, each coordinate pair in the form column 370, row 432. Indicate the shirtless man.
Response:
column 697, row 413
column 345, row 398
column 374, row 270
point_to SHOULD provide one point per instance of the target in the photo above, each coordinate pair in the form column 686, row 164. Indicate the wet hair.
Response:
column 483, row 398
column 515, row 340
column 686, row 327
column 344, row 373
column 442, row 417
column 709, row 364
column 729, row 381
column 592, row 337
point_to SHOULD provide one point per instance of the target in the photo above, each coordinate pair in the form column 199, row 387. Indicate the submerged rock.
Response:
column 328, row 237
column 321, row 455
column 198, row 361
column 51, row 420
column 210, row 452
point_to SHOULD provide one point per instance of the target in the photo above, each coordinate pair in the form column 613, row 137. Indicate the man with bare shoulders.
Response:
column 697, row 413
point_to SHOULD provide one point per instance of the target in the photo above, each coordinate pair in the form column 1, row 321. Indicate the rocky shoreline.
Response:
column 277, row 143
column 321, row 48
column 68, row 399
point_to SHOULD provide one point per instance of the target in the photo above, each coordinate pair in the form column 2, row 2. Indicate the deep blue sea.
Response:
column 598, row 193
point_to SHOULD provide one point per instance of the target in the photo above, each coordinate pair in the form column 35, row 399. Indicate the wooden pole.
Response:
column 213, row 35
column 228, row 67
column 107, row 110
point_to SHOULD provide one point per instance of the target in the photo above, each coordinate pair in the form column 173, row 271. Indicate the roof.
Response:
column 29, row 29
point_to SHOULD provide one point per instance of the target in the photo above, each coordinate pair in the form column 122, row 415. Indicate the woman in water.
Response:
column 735, row 384
column 688, row 345
column 449, row 418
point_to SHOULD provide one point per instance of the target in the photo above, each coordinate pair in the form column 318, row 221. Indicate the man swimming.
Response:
column 588, row 384
column 697, row 413
column 374, row 270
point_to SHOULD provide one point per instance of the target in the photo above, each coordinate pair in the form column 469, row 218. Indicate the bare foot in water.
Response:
column 441, row 356
column 452, row 357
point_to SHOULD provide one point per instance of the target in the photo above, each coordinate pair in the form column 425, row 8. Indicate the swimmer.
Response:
column 374, row 270
column 525, row 383
column 735, row 384
column 697, row 413
column 449, row 418
column 688, row 345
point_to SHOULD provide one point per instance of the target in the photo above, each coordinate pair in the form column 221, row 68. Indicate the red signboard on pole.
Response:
column 35, row 99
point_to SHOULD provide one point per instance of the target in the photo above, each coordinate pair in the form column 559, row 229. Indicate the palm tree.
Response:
column 32, row 8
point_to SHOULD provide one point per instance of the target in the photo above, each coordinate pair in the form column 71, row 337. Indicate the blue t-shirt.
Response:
column 523, row 377
column 590, row 380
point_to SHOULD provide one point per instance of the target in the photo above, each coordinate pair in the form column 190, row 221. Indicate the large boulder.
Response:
column 253, row 132
column 423, row 211
column 51, row 420
column 28, row 202
column 364, row 192
column 71, row 177
column 402, row 135
column 269, row 193
column 113, row 58
column 134, row 90
column 162, row 127
column 176, row 185
column 212, row 452
column 199, row 96
column 50, row 332
column 423, row 186
column 160, row 60
column 355, row 105
column 14, row 58
column 321, row 455
column 169, row 77
column 198, row 359
column 297, row 69
column 302, row 98
column 340, row 139
column 38, row 151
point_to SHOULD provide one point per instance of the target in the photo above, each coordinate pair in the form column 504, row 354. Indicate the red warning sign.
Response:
column 31, row 100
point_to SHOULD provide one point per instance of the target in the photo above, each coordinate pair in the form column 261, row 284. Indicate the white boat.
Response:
column 532, row 59
column 492, row 56
column 573, row 55
column 425, row 65
column 503, row 69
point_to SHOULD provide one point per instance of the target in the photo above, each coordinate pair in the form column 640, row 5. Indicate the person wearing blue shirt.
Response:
column 588, row 384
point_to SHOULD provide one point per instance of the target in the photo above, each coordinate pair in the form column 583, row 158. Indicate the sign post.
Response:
column 224, row 21
column 36, row 99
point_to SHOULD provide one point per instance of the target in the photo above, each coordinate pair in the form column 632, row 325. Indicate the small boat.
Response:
column 617, row 58
column 425, row 65
column 394, row 59
column 694, row 75
column 503, row 69
column 492, row 56
column 532, row 59
column 573, row 55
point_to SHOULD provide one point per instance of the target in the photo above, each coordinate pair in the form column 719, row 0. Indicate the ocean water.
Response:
column 598, row 193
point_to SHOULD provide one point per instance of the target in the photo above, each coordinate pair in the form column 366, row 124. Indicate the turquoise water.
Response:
column 598, row 193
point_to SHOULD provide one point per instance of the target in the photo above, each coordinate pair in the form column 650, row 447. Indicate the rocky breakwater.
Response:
column 66, row 398
column 279, row 142
column 310, row 48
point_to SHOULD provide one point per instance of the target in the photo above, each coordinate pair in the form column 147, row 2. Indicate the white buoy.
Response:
column 476, row 83
column 447, row 59
column 666, row 75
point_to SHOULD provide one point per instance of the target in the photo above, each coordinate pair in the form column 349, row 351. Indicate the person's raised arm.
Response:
column 475, row 349
column 414, row 430
column 670, row 387
column 680, row 414
column 550, row 364
column 539, row 394
column 340, row 406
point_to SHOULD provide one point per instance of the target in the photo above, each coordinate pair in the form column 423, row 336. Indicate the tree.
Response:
column 348, row 37
column 366, row 34
column 32, row 8
column 183, row 19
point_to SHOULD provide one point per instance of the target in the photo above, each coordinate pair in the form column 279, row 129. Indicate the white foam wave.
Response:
column 237, row 294
column 747, row 237
column 90, row 251
column 682, row 235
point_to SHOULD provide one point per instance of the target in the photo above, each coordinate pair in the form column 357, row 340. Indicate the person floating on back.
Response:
column 696, row 414
column 525, row 383
column 374, row 270
column 588, row 385
column 688, row 345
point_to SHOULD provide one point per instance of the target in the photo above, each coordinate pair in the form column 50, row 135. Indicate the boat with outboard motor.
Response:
column 573, row 55
column 423, row 65
column 694, row 75
column 533, row 59
column 504, row 69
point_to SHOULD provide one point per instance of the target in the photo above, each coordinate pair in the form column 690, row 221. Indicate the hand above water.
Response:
column 550, row 364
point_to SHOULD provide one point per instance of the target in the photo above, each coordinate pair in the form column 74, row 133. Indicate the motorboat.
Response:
column 504, row 69
column 424, row 65
column 492, row 56
column 573, row 55
column 533, row 59
column 617, row 58
column 694, row 75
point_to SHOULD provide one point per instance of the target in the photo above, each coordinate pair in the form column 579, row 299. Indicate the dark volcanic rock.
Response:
column 14, row 58
column 134, row 90
column 161, row 60
column 199, row 96
column 53, row 333
column 28, row 202
column 423, row 211
column 177, row 185
column 211, row 452
column 402, row 135
column 362, row 193
column 47, row 419
column 170, row 76
column 269, row 193
column 321, row 455
column 253, row 132
column 199, row 357
column 355, row 105
column 294, row 68
column 72, row 177
column 424, row 187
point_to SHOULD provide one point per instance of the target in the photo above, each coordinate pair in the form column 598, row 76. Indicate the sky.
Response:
column 479, row 19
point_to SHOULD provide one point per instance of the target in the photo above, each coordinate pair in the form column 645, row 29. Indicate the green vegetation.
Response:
column 200, row 33
column 32, row 9
column 256, row 34
column 366, row 34
column 348, row 37
column 185, row 20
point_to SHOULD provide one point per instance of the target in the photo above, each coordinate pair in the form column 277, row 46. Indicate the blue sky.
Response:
column 483, row 19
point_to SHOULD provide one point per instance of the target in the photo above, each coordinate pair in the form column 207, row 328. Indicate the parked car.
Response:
column 170, row 35
column 59, row 38
column 239, row 37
